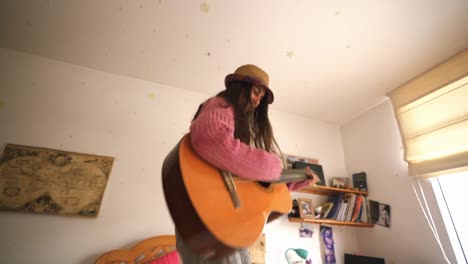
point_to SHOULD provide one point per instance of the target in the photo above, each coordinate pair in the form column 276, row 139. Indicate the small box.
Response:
column 359, row 181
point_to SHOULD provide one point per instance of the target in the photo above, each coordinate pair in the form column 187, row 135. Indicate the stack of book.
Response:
column 347, row 208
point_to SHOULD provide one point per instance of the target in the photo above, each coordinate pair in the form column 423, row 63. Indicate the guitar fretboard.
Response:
column 292, row 175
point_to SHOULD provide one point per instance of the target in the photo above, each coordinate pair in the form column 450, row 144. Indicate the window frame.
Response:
column 451, row 242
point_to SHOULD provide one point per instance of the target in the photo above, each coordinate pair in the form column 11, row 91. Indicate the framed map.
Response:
column 48, row 181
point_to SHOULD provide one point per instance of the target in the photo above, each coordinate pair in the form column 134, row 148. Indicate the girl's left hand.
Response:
column 313, row 179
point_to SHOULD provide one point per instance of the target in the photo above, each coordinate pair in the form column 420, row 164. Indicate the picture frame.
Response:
column 379, row 213
column 326, row 208
column 305, row 232
column 306, row 208
column 290, row 159
column 50, row 181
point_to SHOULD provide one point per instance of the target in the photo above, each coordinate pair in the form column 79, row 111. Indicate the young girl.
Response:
column 232, row 132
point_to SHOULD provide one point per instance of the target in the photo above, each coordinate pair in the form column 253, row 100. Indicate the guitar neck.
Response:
column 292, row 175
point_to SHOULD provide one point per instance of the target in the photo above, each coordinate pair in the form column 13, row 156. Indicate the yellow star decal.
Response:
column 204, row 7
column 290, row 53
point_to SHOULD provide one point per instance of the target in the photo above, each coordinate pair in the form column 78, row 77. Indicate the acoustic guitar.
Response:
column 215, row 212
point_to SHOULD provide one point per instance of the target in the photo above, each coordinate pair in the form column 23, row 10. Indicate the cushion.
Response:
column 170, row 258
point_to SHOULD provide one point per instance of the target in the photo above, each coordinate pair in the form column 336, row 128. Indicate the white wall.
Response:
column 51, row 104
column 372, row 144
column 312, row 139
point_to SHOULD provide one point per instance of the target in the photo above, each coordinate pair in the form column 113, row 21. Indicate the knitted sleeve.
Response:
column 212, row 137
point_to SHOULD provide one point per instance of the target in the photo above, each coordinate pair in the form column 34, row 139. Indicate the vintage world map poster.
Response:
column 48, row 181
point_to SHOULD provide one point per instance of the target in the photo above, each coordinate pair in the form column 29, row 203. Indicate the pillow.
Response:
column 170, row 258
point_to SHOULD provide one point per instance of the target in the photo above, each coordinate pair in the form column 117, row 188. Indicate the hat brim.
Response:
column 236, row 77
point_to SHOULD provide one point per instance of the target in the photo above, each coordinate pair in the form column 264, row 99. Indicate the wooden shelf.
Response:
column 328, row 191
column 329, row 222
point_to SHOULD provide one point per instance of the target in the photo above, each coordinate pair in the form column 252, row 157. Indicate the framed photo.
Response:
column 305, row 232
column 326, row 208
column 306, row 208
column 290, row 159
column 379, row 213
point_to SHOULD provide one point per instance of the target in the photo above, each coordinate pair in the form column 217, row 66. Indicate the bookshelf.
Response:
column 328, row 191
column 329, row 222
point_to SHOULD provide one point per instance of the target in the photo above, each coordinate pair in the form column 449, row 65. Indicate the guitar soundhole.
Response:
column 264, row 184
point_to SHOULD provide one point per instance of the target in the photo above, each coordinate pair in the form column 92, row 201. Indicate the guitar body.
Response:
column 203, row 210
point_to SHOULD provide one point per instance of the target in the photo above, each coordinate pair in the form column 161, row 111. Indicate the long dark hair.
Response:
column 252, row 128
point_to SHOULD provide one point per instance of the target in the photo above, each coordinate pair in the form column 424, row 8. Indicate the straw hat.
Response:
column 251, row 74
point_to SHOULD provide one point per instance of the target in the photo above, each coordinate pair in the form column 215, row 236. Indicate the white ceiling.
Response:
column 327, row 60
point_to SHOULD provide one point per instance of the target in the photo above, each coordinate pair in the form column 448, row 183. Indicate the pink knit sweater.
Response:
column 212, row 137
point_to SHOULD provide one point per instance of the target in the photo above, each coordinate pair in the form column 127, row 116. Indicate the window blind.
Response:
column 432, row 114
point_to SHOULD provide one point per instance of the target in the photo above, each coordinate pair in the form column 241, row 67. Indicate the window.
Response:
column 432, row 115
column 449, row 191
